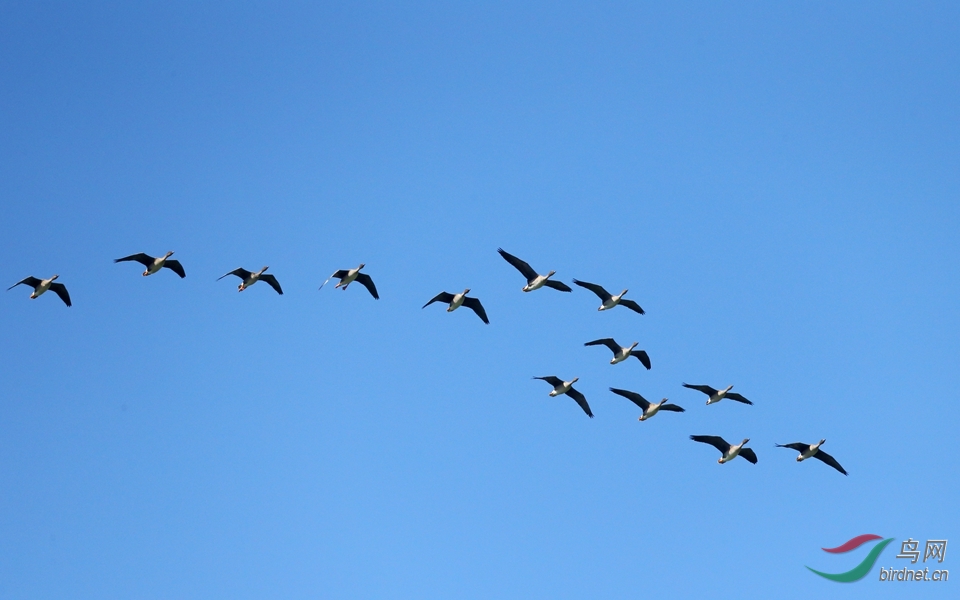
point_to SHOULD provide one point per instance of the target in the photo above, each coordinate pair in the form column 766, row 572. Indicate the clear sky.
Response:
column 776, row 184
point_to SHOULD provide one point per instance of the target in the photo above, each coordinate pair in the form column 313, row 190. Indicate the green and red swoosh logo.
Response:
column 859, row 571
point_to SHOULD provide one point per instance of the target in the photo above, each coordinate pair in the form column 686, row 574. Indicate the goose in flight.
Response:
column 566, row 387
column 535, row 281
column 348, row 276
column 649, row 408
column 248, row 278
column 718, row 395
column 813, row 451
column 457, row 300
column 609, row 301
column 729, row 452
column 621, row 354
column 155, row 264
column 42, row 285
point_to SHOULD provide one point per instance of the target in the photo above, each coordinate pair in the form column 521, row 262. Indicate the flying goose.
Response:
column 250, row 278
column 566, row 387
column 621, row 354
column 348, row 276
column 535, row 281
column 457, row 300
column 41, row 285
column 729, row 452
column 155, row 264
column 718, row 395
column 649, row 409
column 813, row 451
column 609, row 301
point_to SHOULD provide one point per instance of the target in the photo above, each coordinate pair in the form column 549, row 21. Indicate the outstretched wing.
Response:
column 441, row 297
column 714, row 440
column 365, row 280
column 671, row 408
column 338, row 274
column 520, row 265
column 596, row 289
column 749, row 454
column 633, row 397
column 823, row 456
column 31, row 281
column 581, row 401
column 144, row 259
column 706, row 389
column 270, row 279
column 642, row 355
column 552, row 380
column 557, row 285
column 737, row 397
column 176, row 267
column 241, row 273
column 61, row 290
column 632, row 306
column 608, row 342
column 798, row 446
column 474, row 305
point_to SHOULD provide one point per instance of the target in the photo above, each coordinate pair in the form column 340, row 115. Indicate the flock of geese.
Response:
column 535, row 281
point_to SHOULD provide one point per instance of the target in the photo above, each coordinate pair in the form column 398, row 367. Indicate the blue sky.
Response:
column 776, row 185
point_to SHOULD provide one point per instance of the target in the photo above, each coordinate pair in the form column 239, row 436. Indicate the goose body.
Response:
column 248, row 278
column 649, row 408
column 348, row 276
column 714, row 395
column 813, row 451
column 566, row 387
column 155, row 264
column 455, row 301
column 728, row 452
column 40, row 286
column 608, row 300
column 620, row 353
column 535, row 281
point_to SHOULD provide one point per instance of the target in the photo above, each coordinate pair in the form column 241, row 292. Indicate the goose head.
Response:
column 54, row 277
column 622, row 294
column 361, row 266
column 168, row 254
column 265, row 268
